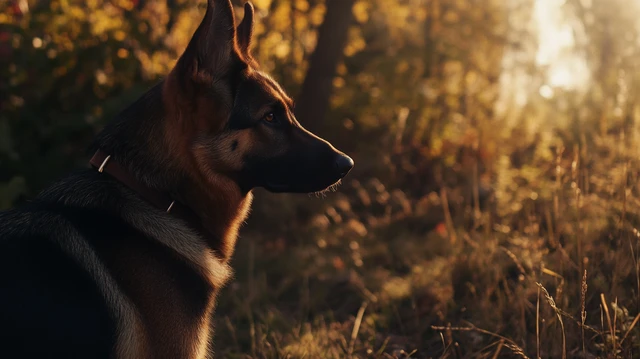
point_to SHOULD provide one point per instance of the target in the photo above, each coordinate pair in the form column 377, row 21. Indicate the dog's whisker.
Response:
column 332, row 188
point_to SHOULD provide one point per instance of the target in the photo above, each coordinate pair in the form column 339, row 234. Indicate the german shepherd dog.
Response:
column 124, row 259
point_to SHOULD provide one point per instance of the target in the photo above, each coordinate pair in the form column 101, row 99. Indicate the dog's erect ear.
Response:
column 245, row 31
column 211, row 50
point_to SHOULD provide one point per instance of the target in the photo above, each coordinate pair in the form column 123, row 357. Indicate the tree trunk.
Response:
column 313, row 100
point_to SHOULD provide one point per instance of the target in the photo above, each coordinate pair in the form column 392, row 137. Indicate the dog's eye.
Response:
column 270, row 117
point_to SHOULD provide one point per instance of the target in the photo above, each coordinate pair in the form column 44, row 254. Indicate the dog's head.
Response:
column 234, row 121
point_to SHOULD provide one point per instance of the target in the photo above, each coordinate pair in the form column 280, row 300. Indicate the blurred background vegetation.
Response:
column 494, row 206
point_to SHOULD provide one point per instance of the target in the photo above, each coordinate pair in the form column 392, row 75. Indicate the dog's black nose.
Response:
column 344, row 164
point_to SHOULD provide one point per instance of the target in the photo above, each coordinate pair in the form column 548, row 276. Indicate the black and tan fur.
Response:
column 89, row 269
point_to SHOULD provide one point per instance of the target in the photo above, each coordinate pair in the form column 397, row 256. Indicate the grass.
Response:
column 530, row 257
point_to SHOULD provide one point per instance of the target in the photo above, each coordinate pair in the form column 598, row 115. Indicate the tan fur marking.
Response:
column 218, row 198
column 203, row 342
column 220, row 156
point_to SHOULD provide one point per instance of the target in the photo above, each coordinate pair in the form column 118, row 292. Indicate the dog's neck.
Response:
column 223, row 204
column 138, row 141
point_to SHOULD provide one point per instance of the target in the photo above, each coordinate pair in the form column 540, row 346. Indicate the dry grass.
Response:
column 542, row 264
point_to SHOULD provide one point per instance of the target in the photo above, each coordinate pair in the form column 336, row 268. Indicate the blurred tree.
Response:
column 313, row 100
column 420, row 77
column 607, row 38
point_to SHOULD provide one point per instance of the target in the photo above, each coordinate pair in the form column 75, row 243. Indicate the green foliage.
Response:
column 71, row 66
